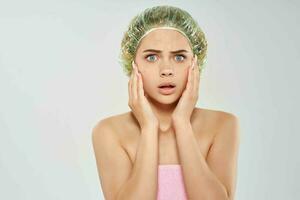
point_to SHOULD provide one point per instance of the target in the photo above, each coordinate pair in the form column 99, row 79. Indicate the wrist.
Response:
column 150, row 127
column 179, row 121
column 181, row 125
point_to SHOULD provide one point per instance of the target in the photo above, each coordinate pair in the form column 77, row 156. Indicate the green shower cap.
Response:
column 161, row 17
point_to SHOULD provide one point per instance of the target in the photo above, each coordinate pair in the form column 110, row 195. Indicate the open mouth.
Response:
column 167, row 86
column 166, row 89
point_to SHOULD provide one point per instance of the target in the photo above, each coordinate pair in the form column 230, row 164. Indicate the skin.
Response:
column 205, row 142
column 156, row 68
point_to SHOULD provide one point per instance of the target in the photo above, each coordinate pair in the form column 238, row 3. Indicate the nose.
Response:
column 166, row 72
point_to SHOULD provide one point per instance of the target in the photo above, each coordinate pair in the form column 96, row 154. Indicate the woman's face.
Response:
column 158, row 62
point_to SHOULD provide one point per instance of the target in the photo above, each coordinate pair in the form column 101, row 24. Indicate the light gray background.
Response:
column 59, row 76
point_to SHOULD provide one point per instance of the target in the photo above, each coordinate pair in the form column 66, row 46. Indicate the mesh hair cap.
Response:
column 162, row 17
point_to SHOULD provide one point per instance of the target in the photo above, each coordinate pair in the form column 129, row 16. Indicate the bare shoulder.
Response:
column 113, row 123
column 222, row 156
column 112, row 160
column 121, row 127
column 106, row 131
column 216, row 115
column 226, row 120
column 216, row 119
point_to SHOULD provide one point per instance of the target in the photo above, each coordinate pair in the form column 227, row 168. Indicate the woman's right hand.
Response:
column 138, row 102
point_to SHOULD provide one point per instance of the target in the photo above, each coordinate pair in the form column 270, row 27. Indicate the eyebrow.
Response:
column 159, row 51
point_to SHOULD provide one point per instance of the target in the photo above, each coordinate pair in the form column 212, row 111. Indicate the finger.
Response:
column 134, row 83
column 140, row 86
column 196, row 82
column 130, row 86
column 198, row 72
column 191, row 78
column 187, row 86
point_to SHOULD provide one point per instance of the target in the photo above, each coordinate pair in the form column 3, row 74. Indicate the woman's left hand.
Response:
column 189, row 97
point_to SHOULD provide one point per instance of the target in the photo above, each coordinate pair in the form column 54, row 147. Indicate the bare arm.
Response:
column 143, row 180
column 213, row 178
column 119, row 178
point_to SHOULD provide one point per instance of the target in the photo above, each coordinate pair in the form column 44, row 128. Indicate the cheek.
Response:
column 183, row 74
column 149, row 82
column 144, row 78
column 147, row 74
column 183, row 78
column 187, row 72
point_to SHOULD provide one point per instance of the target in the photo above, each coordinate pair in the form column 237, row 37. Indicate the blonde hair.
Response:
column 156, row 17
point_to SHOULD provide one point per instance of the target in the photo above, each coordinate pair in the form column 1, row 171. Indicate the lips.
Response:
column 167, row 88
column 167, row 84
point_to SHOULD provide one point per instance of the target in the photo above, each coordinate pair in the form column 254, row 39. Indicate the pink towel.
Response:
column 170, row 183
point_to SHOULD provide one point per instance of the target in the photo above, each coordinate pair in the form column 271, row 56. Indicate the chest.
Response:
column 168, row 152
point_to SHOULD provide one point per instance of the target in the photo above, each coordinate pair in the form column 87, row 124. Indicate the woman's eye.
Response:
column 151, row 57
column 183, row 57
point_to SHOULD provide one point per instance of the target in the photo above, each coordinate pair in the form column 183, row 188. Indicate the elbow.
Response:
column 222, row 196
column 228, row 197
column 118, row 196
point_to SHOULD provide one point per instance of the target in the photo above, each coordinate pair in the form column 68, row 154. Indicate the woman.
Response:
column 165, row 147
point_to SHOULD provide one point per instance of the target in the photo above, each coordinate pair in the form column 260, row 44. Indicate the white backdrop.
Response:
column 59, row 76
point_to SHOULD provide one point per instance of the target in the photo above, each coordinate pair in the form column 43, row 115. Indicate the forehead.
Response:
column 164, row 39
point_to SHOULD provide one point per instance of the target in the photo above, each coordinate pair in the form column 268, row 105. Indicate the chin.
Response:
column 165, row 99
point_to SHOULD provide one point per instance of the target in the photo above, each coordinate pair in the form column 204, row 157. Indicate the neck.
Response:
column 163, row 113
